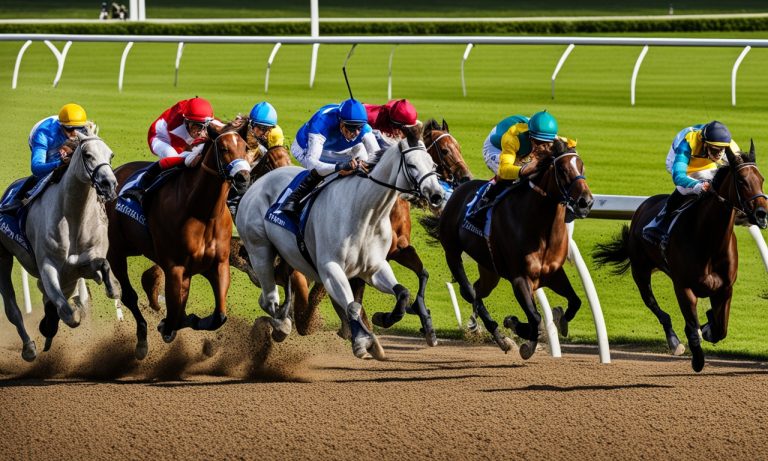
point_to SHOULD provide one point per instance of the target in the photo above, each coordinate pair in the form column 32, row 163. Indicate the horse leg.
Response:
column 482, row 288
column 456, row 266
column 49, row 324
column 49, row 277
column 529, row 331
column 407, row 257
column 262, row 260
column 152, row 281
column 130, row 299
column 716, row 327
column 101, row 271
column 687, row 301
column 643, row 281
column 12, row 311
column 306, row 315
column 218, row 277
column 559, row 283
column 176, row 294
column 363, row 340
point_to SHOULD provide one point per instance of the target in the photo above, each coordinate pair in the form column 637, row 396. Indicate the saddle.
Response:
column 477, row 218
column 134, row 209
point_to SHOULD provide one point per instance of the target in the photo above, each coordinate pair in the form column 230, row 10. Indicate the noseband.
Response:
column 415, row 183
column 224, row 171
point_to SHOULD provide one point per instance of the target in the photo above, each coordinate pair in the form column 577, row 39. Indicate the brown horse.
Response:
column 452, row 169
column 188, row 232
column 701, row 259
column 528, row 242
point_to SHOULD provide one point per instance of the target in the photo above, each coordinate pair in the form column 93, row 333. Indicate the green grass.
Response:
column 623, row 147
column 88, row 9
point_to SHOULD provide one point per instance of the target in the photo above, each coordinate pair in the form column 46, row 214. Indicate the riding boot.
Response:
column 657, row 232
column 292, row 205
column 20, row 199
column 486, row 200
column 137, row 191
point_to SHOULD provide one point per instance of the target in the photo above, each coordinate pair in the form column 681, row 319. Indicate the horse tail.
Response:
column 615, row 252
column 431, row 224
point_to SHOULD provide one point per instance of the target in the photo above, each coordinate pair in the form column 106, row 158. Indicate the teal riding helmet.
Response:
column 263, row 114
column 543, row 126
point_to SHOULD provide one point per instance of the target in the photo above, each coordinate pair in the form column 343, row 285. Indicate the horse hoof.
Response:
column 380, row 320
column 29, row 351
column 706, row 333
column 431, row 337
column 169, row 337
column 511, row 322
column 361, row 345
column 558, row 318
column 142, row 348
column 504, row 342
column 376, row 350
column 73, row 320
column 697, row 359
column 679, row 350
column 527, row 349
column 280, row 329
column 48, row 344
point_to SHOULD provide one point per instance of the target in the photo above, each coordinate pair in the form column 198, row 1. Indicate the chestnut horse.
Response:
column 452, row 170
column 528, row 242
column 701, row 259
column 188, row 232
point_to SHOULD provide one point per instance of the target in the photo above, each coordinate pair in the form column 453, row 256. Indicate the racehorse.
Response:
column 528, row 240
column 342, row 242
column 452, row 169
column 66, row 228
column 188, row 232
column 701, row 258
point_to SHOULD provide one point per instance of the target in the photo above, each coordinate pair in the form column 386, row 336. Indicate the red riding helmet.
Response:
column 198, row 110
column 403, row 113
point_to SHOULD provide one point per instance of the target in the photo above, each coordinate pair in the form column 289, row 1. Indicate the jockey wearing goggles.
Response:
column 512, row 149
column 264, row 128
column 389, row 120
column 177, row 137
column 693, row 159
column 336, row 139
column 51, row 142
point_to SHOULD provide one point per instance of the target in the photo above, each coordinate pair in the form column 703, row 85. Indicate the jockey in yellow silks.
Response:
column 507, row 150
column 693, row 158
column 264, row 127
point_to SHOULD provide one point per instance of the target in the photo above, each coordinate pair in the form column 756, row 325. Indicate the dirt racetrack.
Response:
column 221, row 396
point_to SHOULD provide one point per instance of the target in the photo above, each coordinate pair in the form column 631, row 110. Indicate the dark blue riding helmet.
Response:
column 716, row 133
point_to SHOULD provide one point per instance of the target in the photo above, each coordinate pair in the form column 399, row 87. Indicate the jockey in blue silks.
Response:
column 49, row 143
column 693, row 159
column 336, row 139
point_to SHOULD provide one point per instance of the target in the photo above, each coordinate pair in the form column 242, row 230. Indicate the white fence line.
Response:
column 470, row 41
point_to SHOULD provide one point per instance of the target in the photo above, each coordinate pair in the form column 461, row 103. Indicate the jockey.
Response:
column 264, row 127
column 336, row 139
column 693, row 158
column 511, row 142
column 48, row 142
column 388, row 120
column 177, row 137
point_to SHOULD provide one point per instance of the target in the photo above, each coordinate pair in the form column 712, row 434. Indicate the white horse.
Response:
column 348, row 234
column 67, row 231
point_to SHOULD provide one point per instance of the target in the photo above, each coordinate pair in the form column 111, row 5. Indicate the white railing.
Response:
column 470, row 41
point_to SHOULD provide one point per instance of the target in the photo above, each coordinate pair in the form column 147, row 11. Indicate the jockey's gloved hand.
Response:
column 701, row 187
column 345, row 168
column 529, row 169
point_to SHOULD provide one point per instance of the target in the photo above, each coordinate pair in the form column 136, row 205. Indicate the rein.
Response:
column 415, row 184
column 564, row 189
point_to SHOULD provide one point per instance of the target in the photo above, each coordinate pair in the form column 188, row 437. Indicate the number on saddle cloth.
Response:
column 13, row 209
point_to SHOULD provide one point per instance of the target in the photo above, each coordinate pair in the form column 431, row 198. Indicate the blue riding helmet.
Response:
column 352, row 111
column 543, row 126
column 264, row 114
column 716, row 133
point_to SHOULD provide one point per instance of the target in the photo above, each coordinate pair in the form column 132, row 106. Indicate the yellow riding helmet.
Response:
column 72, row 115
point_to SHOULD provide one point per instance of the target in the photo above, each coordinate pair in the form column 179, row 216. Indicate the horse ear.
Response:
column 445, row 126
column 213, row 131
column 751, row 150
column 413, row 135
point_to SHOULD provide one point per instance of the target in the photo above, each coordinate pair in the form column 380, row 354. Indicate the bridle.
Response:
column 564, row 188
column 92, row 172
column 743, row 203
column 415, row 184
column 222, row 171
column 444, row 166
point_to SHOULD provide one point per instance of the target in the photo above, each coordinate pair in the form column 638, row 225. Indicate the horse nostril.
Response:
column 436, row 199
column 584, row 203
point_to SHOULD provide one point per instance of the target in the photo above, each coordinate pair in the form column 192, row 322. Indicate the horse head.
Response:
column 229, row 157
column 91, row 162
column 566, row 179
column 743, row 187
column 407, row 168
column 446, row 153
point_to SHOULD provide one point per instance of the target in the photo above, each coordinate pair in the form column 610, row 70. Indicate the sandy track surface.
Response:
column 220, row 396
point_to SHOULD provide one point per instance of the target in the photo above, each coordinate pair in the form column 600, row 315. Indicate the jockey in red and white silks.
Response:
column 388, row 120
column 179, row 133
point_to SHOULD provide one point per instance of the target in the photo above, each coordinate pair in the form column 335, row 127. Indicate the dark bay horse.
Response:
column 189, row 232
column 702, row 257
column 453, row 170
column 528, row 242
